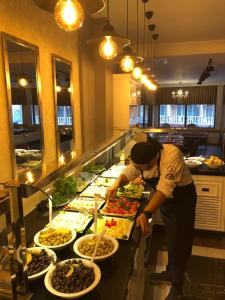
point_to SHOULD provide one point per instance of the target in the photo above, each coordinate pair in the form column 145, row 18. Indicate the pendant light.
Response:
column 137, row 71
column 145, row 72
column 69, row 14
column 109, row 40
column 128, row 57
column 22, row 78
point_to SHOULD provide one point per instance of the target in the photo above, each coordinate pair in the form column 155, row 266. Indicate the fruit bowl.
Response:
column 87, row 244
column 214, row 166
column 36, row 259
column 61, row 274
column 48, row 237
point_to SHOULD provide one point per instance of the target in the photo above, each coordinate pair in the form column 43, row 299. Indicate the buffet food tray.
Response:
column 75, row 220
column 121, row 230
column 104, row 181
column 91, row 190
column 81, row 202
column 122, row 207
column 114, row 171
column 131, row 190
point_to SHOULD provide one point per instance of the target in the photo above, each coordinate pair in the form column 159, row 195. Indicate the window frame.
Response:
column 185, row 115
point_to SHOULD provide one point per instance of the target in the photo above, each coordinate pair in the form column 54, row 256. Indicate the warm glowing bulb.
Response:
column 73, row 154
column 30, row 177
column 69, row 89
column 62, row 160
column 58, row 88
column 69, row 15
column 137, row 72
column 127, row 64
column 144, row 79
column 23, row 82
column 108, row 48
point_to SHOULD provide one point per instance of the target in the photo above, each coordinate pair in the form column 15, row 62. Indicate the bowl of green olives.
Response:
column 54, row 238
column 39, row 260
column 85, row 245
column 72, row 278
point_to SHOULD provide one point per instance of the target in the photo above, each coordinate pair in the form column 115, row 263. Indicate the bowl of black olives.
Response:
column 85, row 245
column 72, row 278
column 39, row 261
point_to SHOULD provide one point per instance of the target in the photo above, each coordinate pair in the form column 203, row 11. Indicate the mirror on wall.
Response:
column 21, row 64
column 64, row 117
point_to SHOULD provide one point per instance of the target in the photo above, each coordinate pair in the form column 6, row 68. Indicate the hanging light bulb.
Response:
column 58, row 88
column 127, row 64
column 23, row 81
column 108, row 48
column 137, row 72
column 69, row 14
column 144, row 78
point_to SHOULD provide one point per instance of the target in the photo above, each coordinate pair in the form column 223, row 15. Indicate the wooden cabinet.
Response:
column 210, row 210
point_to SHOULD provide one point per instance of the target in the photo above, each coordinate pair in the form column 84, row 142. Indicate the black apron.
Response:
column 178, row 214
column 153, row 181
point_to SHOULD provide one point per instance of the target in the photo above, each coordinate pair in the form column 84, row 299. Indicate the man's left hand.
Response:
column 144, row 223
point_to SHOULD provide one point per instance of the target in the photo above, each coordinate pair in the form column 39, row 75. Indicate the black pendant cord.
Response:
column 144, row 33
column 21, row 58
column 137, row 28
column 108, row 12
column 127, row 21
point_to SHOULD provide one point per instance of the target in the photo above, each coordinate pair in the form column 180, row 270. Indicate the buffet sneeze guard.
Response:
column 13, row 271
column 24, row 106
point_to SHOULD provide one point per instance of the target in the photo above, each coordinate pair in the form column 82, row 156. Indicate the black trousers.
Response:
column 178, row 215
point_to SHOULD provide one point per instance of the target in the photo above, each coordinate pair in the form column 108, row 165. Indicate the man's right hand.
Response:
column 111, row 193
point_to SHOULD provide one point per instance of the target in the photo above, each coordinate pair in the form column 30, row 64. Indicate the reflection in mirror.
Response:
column 64, row 120
column 21, row 66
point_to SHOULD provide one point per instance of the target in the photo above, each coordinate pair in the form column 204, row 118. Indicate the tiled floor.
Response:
column 205, row 278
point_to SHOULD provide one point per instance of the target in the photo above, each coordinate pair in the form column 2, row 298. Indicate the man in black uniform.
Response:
column 163, row 167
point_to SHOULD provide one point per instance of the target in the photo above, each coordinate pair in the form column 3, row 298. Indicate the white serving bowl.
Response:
column 49, row 287
column 213, row 166
column 88, row 237
column 50, row 253
column 193, row 163
column 58, row 247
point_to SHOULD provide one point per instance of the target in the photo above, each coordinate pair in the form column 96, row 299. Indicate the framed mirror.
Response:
column 63, row 90
column 23, row 85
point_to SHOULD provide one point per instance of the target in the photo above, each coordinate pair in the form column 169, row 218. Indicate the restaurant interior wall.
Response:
column 22, row 19
column 96, row 88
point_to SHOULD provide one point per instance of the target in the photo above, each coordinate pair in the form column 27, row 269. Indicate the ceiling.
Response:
column 177, row 21
column 187, row 69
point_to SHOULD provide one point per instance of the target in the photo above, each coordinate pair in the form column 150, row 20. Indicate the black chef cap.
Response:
column 144, row 152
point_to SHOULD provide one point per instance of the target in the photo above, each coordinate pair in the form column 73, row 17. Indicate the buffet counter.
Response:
column 204, row 170
column 115, row 271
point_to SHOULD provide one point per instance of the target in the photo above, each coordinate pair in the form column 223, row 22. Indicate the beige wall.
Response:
column 22, row 19
column 96, row 89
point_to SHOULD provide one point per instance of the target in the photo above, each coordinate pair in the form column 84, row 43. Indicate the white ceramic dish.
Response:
column 193, row 163
column 50, row 253
column 58, row 247
column 48, row 278
column 89, row 236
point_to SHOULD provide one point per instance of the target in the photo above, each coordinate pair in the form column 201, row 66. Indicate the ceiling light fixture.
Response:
column 69, row 14
column 129, row 57
column 109, row 40
column 137, row 71
column 180, row 94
